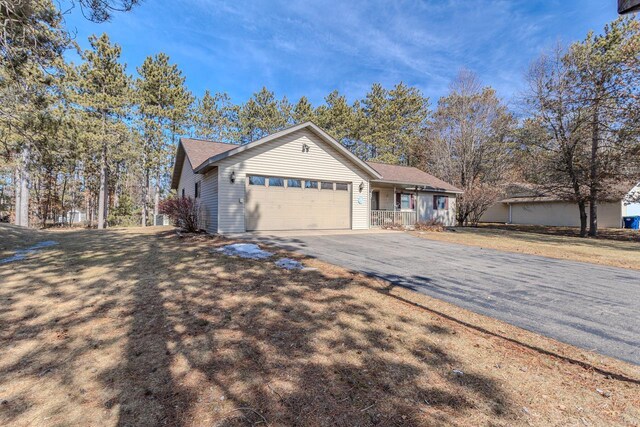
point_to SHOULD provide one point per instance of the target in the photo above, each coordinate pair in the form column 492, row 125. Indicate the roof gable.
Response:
column 197, row 151
column 307, row 125
column 410, row 175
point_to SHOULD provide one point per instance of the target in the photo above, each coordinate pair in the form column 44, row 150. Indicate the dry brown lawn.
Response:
column 140, row 327
column 552, row 243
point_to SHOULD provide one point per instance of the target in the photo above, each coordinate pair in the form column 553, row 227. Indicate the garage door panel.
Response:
column 279, row 208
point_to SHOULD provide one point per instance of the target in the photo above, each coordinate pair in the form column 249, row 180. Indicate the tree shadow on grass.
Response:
column 150, row 329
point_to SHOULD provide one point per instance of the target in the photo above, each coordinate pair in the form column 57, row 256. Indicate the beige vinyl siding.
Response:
column 498, row 212
column 209, row 201
column 283, row 157
column 427, row 212
column 563, row 214
column 559, row 214
column 385, row 198
column 188, row 179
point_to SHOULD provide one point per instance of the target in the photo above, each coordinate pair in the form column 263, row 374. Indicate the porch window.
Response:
column 404, row 201
column 440, row 203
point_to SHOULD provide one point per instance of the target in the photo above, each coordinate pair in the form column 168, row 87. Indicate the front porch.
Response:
column 393, row 205
column 380, row 218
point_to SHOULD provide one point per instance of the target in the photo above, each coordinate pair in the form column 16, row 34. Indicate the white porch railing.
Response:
column 384, row 218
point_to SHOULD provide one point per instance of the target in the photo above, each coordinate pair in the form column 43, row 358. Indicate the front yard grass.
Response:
column 619, row 250
column 142, row 327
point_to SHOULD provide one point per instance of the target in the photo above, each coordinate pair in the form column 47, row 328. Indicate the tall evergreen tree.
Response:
column 337, row 117
column 104, row 90
column 303, row 111
column 214, row 117
column 163, row 105
column 262, row 115
column 393, row 122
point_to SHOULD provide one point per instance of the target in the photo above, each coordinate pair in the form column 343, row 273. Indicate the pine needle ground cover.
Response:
column 143, row 327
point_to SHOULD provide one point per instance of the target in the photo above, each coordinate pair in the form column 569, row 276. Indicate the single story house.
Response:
column 301, row 178
column 523, row 206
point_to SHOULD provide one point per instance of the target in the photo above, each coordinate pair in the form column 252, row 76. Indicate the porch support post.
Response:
column 394, row 200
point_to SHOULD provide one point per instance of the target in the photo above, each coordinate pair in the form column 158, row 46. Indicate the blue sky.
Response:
column 310, row 48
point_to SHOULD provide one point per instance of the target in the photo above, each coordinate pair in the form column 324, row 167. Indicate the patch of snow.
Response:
column 245, row 250
column 21, row 254
column 289, row 264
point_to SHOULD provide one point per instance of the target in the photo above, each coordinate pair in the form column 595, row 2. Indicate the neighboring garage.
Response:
column 277, row 203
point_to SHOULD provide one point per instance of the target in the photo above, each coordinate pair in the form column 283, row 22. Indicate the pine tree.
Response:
column 104, row 90
column 393, row 122
column 163, row 106
column 337, row 117
column 262, row 115
column 214, row 117
column 303, row 111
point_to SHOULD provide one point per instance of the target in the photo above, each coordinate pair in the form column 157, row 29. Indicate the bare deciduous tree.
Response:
column 469, row 144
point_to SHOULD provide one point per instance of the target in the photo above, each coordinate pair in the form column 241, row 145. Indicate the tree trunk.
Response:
column 22, row 189
column 102, row 196
column 593, row 173
column 156, row 197
column 18, row 194
column 583, row 218
column 145, row 197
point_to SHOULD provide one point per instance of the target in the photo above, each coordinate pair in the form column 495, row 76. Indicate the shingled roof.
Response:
column 197, row 151
column 413, row 176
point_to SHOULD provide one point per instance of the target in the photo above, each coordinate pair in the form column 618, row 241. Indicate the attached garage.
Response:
column 277, row 203
column 296, row 179
column 301, row 179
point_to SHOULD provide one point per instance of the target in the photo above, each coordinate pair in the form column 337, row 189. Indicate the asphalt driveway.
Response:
column 589, row 306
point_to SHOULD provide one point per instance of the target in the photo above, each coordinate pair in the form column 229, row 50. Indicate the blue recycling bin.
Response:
column 632, row 222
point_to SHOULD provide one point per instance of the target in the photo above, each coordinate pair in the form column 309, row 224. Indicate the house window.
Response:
column 294, row 183
column 405, row 201
column 197, row 189
column 440, row 202
column 256, row 180
column 276, row 182
column 341, row 186
column 183, row 192
column 311, row 184
column 326, row 185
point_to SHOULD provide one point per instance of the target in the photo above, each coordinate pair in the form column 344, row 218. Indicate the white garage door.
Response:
column 275, row 203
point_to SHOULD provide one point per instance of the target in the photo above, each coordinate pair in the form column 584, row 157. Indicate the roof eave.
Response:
column 414, row 184
column 177, row 167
